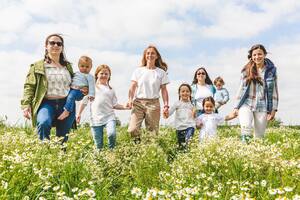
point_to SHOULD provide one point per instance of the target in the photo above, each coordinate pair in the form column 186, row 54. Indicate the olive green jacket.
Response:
column 35, row 88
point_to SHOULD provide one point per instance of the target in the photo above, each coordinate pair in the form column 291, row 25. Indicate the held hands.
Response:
column 129, row 104
column 166, row 112
column 27, row 113
column 235, row 112
column 126, row 106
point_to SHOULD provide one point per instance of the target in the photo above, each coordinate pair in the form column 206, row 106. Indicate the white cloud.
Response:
column 116, row 33
column 13, row 19
column 235, row 20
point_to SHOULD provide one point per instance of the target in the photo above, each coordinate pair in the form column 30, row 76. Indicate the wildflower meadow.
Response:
column 223, row 168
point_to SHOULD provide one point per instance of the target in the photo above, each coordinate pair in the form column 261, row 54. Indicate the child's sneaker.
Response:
column 246, row 138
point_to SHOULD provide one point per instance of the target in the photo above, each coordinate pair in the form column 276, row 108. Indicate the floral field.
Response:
column 223, row 168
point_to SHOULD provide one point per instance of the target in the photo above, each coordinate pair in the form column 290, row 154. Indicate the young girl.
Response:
column 102, row 108
column 210, row 120
column 184, row 116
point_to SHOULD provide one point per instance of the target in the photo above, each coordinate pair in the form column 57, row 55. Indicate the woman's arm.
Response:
column 131, row 93
column 231, row 115
column 274, row 97
column 121, row 107
column 28, row 94
column 165, row 97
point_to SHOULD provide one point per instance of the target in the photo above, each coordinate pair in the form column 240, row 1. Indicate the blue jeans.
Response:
column 47, row 115
column 74, row 95
column 183, row 136
column 97, row 132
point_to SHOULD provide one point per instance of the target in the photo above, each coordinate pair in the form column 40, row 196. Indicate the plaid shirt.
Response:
column 260, row 97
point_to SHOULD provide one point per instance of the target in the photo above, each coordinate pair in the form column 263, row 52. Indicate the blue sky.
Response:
column 191, row 33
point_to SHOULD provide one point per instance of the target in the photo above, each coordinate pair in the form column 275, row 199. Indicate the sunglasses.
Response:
column 52, row 43
column 201, row 73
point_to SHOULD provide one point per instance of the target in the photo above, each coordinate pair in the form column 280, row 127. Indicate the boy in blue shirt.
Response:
column 81, row 79
column 221, row 96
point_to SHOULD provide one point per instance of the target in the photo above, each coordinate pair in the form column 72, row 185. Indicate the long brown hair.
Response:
column 250, row 68
column 62, row 58
column 101, row 67
column 207, row 79
column 158, row 62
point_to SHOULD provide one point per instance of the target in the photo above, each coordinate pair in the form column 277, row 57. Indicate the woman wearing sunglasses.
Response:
column 202, row 87
column 46, row 88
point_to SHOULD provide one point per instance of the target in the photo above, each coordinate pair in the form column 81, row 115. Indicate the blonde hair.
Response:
column 100, row 68
column 158, row 62
column 219, row 79
column 85, row 59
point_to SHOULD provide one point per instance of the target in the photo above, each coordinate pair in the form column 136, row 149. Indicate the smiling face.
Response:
column 103, row 76
column 208, row 107
column 151, row 55
column 258, row 57
column 54, row 45
column 184, row 93
column 201, row 75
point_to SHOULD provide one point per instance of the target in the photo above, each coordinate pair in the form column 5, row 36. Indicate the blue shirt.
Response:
column 81, row 80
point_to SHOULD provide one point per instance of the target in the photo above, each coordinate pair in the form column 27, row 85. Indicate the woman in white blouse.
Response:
column 146, row 83
column 202, row 87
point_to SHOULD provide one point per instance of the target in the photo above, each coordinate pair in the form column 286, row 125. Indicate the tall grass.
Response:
column 222, row 168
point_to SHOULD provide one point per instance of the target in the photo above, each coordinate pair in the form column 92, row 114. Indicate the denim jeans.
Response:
column 183, row 136
column 74, row 95
column 47, row 115
column 97, row 132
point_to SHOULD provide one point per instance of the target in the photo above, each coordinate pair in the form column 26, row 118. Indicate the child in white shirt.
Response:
column 209, row 120
column 102, row 108
column 184, row 115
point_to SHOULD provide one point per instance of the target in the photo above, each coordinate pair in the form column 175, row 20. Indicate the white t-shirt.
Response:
column 202, row 92
column 101, row 110
column 209, row 125
column 149, row 82
column 183, row 115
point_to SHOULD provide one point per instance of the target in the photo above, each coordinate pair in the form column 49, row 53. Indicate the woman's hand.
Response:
column 166, row 112
column 271, row 116
column 84, row 90
column 129, row 104
column 27, row 113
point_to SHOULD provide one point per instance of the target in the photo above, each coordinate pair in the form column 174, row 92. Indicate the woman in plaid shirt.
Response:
column 257, row 97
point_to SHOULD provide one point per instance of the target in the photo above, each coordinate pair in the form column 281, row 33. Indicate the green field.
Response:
column 223, row 168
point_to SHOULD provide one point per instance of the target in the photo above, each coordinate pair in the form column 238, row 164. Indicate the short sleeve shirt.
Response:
column 149, row 82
